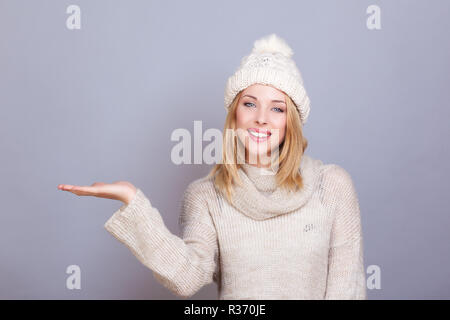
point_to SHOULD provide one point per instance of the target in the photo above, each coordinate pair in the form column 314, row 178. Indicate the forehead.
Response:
column 264, row 91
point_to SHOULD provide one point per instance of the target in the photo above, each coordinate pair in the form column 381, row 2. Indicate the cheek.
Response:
column 241, row 118
column 241, row 124
column 281, row 126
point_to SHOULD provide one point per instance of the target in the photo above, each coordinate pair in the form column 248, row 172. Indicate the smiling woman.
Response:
column 259, row 233
column 262, row 108
column 260, row 118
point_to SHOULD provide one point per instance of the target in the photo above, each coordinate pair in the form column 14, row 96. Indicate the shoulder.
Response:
column 336, row 173
column 201, row 186
column 337, row 184
column 196, row 199
column 199, row 192
column 329, row 172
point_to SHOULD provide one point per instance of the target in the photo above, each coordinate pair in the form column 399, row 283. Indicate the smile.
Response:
column 259, row 136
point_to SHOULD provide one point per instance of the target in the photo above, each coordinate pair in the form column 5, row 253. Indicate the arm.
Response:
column 183, row 265
column 346, row 275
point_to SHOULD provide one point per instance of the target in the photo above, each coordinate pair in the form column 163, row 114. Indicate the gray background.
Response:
column 100, row 104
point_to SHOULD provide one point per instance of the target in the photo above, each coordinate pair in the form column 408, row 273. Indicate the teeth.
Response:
column 258, row 134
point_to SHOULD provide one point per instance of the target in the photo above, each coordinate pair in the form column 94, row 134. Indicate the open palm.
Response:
column 119, row 190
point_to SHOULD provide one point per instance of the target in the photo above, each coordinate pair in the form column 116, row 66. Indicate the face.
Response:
column 261, row 117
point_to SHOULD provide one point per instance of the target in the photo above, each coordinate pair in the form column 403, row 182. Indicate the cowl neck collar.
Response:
column 260, row 198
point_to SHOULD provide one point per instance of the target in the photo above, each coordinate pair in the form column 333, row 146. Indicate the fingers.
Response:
column 83, row 190
column 79, row 190
column 65, row 187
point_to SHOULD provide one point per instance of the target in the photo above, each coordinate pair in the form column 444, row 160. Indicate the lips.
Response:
column 259, row 133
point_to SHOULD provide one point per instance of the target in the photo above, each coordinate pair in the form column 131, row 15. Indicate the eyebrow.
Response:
column 247, row 95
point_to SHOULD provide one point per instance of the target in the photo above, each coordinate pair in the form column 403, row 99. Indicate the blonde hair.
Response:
column 291, row 150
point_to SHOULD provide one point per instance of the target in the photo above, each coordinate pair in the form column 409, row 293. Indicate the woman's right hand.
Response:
column 119, row 190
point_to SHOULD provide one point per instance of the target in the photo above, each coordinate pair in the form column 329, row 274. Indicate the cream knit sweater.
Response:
column 267, row 244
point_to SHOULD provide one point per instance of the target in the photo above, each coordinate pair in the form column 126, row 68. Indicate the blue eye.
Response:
column 247, row 103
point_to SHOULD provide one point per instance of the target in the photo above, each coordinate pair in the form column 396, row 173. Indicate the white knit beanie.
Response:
column 270, row 63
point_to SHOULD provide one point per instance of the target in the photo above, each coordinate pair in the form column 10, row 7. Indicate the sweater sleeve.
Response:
column 346, row 275
column 183, row 265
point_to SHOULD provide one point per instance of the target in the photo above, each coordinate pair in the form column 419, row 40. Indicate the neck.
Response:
column 260, row 198
column 258, row 164
column 264, row 179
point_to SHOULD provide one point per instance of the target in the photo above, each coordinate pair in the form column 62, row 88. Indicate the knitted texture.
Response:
column 270, row 62
column 259, row 197
column 314, row 251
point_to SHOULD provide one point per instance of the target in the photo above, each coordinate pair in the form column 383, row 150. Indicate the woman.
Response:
column 269, row 222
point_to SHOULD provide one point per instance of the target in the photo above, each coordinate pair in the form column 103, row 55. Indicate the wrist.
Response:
column 130, row 196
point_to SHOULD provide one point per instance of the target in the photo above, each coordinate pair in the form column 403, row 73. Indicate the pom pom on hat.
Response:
column 272, row 44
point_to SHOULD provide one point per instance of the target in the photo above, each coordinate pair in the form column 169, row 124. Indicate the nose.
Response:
column 261, row 116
